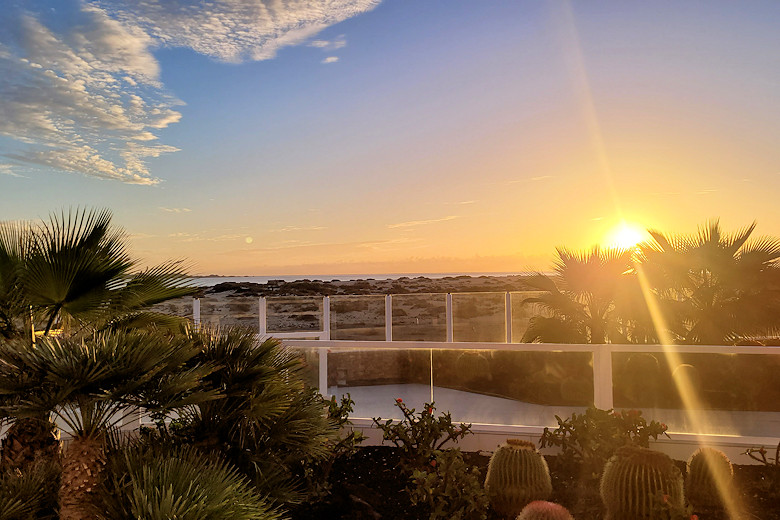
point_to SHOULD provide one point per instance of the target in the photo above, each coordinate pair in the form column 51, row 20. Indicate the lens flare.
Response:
column 625, row 236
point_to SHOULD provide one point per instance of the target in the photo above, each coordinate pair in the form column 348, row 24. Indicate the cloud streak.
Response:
column 85, row 95
column 415, row 223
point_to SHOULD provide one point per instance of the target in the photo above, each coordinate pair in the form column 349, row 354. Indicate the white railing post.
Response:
column 508, row 316
column 450, row 334
column 602, row 377
column 196, row 313
column 326, row 318
column 322, row 353
column 389, row 317
column 262, row 320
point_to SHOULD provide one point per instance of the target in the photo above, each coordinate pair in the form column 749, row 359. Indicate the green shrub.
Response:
column 419, row 435
column 448, row 488
column 588, row 440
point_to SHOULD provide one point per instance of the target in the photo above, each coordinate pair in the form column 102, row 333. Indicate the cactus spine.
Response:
column 517, row 474
column 634, row 479
column 706, row 467
column 541, row 510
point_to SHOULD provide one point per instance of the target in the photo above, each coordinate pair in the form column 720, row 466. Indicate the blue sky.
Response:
column 309, row 137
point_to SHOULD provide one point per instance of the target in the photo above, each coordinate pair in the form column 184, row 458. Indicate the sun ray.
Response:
column 692, row 405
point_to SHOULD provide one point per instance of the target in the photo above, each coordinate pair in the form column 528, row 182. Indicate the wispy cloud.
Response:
column 7, row 169
column 330, row 45
column 176, row 210
column 331, row 59
column 237, row 31
column 287, row 229
column 415, row 223
column 81, row 89
column 206, row 237
column 531, row 179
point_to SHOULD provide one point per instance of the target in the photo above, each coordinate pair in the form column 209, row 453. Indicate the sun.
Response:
column 625, row 236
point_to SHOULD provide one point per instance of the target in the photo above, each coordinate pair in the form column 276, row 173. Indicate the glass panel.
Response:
column 522, row 314
column 734, row 394
column 419, row 317
column 511, row 387
column 178, row 307
column 311, row 365
column 375, row 378
column 357, row 317
column 478, row 317
column 294, row 314
column 213, row 310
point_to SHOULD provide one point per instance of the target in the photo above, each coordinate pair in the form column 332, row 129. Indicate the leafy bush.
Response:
column 419, row 435
column 449, row 488
column 588, row 440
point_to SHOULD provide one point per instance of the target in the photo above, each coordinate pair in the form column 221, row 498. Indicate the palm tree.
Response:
column 715, row 287
column 77, row 273
column 73, row 272
column 267, row 423
column 161, row 484
column 14, row 244
column 90, row 385
column 593, row 297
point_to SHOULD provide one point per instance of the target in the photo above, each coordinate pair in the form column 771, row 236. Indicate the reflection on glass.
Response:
column 357, row 318
column 419, row 317
column 739, row 393
column 479, row 317
column 479, row 386
column 294, row 314
column 310, row 365
column 375, row 378
column 522, row 314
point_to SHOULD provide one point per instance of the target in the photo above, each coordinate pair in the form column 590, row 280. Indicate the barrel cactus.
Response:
column 706, row 467
column 633, row 480
column 541, row 510
column 517, row 474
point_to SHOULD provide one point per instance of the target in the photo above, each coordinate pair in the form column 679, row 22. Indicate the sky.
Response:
column 314, row 137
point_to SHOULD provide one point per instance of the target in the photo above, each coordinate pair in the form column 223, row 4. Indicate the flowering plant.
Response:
column 418, row 435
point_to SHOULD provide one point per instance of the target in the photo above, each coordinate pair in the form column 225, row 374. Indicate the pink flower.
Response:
column 433, row 463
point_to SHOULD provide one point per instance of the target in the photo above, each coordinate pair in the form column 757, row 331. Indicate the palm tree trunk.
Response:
column 28, row 441
column 82, row 472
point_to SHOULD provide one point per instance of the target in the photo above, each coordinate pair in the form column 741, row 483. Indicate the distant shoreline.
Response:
column 404, row 284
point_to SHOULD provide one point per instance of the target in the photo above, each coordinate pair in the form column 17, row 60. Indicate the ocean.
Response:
column 208, row 281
